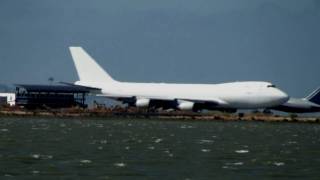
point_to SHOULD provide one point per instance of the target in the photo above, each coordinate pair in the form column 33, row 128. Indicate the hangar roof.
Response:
column 53, row 88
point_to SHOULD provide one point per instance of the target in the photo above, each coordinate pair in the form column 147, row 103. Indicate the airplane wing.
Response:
column 157, row 102
column 166, row 102
column 91, row 89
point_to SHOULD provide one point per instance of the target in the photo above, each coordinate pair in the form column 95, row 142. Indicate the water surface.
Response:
column 39, row 148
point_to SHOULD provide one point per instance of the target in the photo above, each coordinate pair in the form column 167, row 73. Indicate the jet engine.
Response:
column 185, row 105
column 141, row 103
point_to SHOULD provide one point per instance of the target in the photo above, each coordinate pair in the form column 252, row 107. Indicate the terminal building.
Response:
column 50, row 96
column 8, row 99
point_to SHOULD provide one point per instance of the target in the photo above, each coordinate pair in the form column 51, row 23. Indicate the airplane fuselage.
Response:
column 237, row 95
column 295, row 105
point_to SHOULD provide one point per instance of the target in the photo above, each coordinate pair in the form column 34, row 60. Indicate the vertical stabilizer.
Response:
column 314, row 96
column 87, row 68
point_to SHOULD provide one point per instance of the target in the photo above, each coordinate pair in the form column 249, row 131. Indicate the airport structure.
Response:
column 50, row 96
column 8, row 99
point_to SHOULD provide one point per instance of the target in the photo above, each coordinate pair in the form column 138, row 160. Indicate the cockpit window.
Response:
column 271, row 85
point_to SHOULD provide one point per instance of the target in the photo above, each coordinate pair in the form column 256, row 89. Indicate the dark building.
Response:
column 3, row 101
column 50, row 96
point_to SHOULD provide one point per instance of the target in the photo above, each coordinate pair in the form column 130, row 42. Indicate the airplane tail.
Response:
column 88, row 69
column 314, row 96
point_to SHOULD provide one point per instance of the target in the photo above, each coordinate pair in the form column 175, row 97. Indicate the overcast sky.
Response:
column 186, row 41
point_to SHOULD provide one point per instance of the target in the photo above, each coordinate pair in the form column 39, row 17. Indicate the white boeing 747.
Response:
column 225, row 96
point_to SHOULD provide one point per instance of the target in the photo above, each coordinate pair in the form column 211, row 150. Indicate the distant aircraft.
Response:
column 309, row 104
column 196, row 97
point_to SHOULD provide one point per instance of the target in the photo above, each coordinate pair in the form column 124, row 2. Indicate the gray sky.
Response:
column 187, row 41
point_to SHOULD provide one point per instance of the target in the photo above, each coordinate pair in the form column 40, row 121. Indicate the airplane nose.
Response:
column 282, row 96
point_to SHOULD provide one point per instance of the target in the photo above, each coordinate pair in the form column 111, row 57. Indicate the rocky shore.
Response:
column 162, row 115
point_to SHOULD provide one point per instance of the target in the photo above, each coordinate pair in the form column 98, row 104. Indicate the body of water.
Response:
column 41, row 148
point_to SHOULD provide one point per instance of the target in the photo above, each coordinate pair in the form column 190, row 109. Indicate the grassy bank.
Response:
column 136, row 113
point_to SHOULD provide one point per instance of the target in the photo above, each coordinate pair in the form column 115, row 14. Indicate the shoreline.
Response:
column 167, row 116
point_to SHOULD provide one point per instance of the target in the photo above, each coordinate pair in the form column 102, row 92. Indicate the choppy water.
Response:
column 151, row 149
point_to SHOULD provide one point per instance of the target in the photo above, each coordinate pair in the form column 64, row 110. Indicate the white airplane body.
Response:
column 236, row 95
